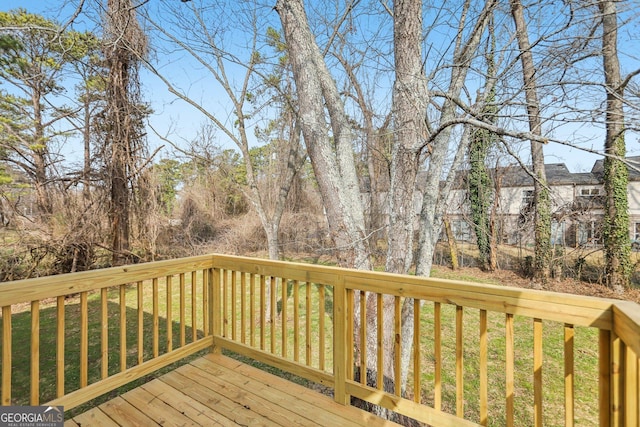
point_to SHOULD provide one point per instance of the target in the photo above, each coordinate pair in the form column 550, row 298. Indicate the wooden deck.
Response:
column 219, row 391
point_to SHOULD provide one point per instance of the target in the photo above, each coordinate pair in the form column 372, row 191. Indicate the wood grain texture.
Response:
column 218, row 391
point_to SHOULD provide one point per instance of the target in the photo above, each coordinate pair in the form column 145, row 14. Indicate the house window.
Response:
column 589, row 192
column 461, row 230
column 589, row 233
column 557, row 233
column 636, row 234
column 527, row 197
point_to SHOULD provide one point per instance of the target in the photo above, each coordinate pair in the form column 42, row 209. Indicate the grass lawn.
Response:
column 585, row 358
column 21, row 329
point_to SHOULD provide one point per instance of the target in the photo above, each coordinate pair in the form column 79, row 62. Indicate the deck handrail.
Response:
column 617, row 323
column 300, row 318
column 49, row 305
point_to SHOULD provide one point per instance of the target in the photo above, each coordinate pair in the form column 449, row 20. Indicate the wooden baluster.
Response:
column 216, row 309
column 205, row 302
column 194, row 311
column 169, row 295
column 363, row 338
column 537, row 372
column 637, row 392
column 212, row 298
column 437, row 345
column 604, row 377
column 183, row 334
column 243, row 308
column 509, row 374
column 397, row 350
column 321, row 317
column 123, row 328
column 283, row 315
column 272, row 313
column 631, row 387
column 380, row 341
column 417, row 352
column 140, row 308
column 35, row 353
column 459, row 361
column 569, row 334
column 234, row 296
column 349, row 312
column 252, row 310
column 296, row 320
column 60, row 361
column 307, row 331
column 484, row 371
column 6, row 355
column 263, row 313
column 156, row 325
column 84, row 340
column 341, row 352
column 104, row 333
column 617, row 366
column 225, row 303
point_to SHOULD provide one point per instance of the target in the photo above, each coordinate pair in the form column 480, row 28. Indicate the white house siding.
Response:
column 575, row 203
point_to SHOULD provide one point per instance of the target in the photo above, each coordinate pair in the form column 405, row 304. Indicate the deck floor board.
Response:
column 215, row 390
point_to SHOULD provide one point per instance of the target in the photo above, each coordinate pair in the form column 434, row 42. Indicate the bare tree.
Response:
column 542, row 200
column 334, row 169
column 191, row 30
column 410, row 100
column 616, row 220
column 332, row 157
column 438, row 140
column 479, row 180
column 363, row 66
column 124, row 45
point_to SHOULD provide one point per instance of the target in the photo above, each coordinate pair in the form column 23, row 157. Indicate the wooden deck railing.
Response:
column 92, row 332
column 481, row 354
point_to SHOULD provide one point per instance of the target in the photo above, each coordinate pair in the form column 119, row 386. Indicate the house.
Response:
column 576, row 204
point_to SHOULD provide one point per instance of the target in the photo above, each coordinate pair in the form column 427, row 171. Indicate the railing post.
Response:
column 625, row 365
column 631, row 388
column 214, row 306
column 6, row 356
column 604, row 380
column 340, row 322
column 617, row 378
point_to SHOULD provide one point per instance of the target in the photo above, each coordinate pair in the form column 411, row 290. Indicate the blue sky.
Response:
column 184, row 121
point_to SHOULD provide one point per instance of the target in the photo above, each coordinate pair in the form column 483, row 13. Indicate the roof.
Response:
column 633, row 166
column 557, row 174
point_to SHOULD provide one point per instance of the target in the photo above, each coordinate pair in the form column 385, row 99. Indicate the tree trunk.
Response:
column 118, row 170
column 480, row 194
column 432, row 196
column 124, row 42
column 617, row 245
column 86, row 137
column 493, row 252
column 542, row 200
column 334, row 166
column 480, row 185
column 40, row 154
column 410, row 99
column 451, row 240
